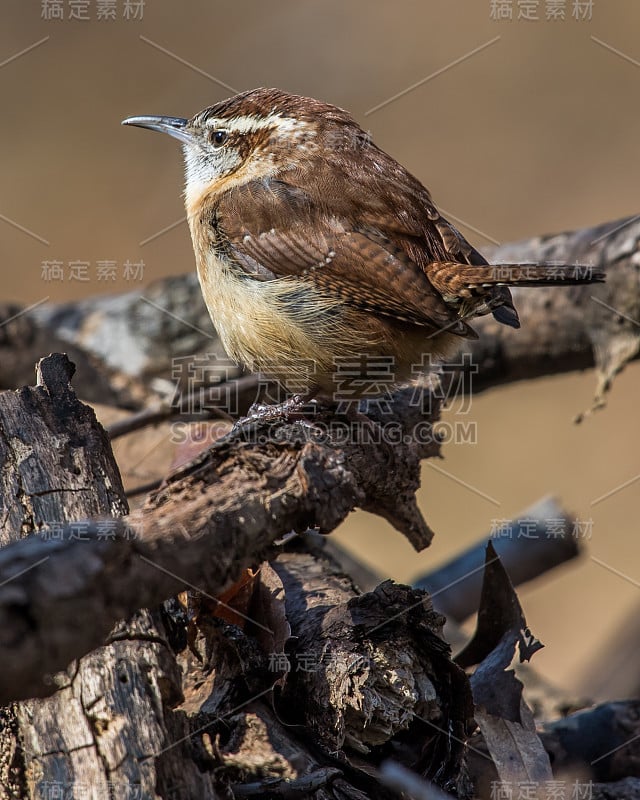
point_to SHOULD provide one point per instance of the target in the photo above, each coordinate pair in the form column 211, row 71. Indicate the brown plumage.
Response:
column 315, row 248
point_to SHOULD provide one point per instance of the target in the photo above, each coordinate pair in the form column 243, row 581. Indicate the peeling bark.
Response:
column 157, row 711
column 568, row 328
column 214, row 518
column 92, row 738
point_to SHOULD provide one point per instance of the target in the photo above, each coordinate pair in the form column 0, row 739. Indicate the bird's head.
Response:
column 253, row 135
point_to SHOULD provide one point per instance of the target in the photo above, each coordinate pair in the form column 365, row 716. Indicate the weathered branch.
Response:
column 600, row 742
column 213, row 519
column 93, row 737
column 131, row 718
column 562, row 328
column 542, row 538
column 570, row 328
column 24, row 339
column 357, row 639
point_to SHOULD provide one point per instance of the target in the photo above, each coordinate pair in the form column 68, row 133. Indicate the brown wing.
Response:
column 391, row 200
column 273, row 229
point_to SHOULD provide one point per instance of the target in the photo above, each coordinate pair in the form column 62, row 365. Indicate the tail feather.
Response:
column 537, row 275
column 506, row 313
column 453, row 278
column 483, row 289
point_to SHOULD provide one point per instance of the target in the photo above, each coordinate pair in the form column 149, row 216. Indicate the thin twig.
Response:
column 157, row 414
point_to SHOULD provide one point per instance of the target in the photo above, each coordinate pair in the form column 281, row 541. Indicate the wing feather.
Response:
column 287, row 233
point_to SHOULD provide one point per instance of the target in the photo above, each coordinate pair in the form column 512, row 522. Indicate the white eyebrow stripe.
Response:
column 249, row 123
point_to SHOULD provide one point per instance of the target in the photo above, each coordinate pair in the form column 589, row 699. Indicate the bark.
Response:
column 354, row 675
column 571, row 328
column 263, row 480
column 92, row 738
column 362, row 640
column 182, row 707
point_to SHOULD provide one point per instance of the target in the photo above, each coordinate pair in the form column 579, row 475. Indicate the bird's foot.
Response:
column 296, row 408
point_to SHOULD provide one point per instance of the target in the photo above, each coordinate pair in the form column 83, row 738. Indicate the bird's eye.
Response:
column 218, row 138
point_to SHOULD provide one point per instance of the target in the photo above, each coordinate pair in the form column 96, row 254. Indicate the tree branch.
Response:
column 213, row 518
column 562, row 328
column 568, row 328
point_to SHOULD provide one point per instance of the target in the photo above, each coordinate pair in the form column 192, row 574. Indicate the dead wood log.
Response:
column 213, row 519
column 138, row 332
column 339, row 678
column 189, row 498
column 346, row 647
column 600, row 743
column 23, row 340
column 93, row 737
column 213, row 727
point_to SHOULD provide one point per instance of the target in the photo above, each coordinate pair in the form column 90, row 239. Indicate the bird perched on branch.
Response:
column 315, row 248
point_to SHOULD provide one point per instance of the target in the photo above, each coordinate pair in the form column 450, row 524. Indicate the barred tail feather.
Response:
column 481, row 289
column 535, row 275
column 452, row 278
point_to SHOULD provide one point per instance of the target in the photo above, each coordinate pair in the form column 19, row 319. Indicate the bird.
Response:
column 323, row 262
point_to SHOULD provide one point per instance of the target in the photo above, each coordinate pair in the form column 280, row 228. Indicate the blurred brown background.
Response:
column 518, row 127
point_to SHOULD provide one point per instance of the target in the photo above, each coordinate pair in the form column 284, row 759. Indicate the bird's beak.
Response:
column 174, row 126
